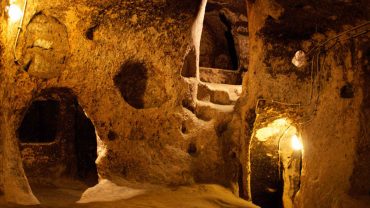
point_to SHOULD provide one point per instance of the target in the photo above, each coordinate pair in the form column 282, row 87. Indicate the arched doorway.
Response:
column 58, row 144
column 224, row 43
column 275, row 160
column 217, row 46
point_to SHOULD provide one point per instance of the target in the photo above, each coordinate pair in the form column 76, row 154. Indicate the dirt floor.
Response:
column 207, row 196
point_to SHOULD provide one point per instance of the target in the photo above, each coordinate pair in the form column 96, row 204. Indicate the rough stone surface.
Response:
column 213, row 75
column 330, row 125
column 133, row 67
column 46, row 47
column 122, row 61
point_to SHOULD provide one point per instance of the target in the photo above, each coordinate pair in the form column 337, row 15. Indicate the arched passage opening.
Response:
column 224, row 43
column 58, row 144
column 275, row 163
column 217, row 46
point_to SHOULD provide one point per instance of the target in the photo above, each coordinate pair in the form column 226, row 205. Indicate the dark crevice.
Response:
column 241, row 182
column 89, row 34
column 184, row 129
column 230, row 42
column 85, row 147
column 27, row 66
column 189, row 69
column 112, row 135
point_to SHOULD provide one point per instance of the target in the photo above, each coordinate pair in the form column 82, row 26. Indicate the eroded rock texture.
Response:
column 46, row 48
column 329, row 121
column 122, row 63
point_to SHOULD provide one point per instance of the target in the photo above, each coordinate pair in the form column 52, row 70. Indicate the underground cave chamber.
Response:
column 191, row 103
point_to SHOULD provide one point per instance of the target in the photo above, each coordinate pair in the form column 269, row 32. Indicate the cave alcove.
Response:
column 57, row 140
column 220, row 53
column 46, row 44
column 140, row 86
column 217, row 46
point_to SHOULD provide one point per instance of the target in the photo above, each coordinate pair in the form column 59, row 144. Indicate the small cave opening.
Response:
column 192, row 149
column 57, row 143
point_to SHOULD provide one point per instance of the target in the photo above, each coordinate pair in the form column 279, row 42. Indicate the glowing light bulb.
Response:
column 296, row 143
column 14, row 12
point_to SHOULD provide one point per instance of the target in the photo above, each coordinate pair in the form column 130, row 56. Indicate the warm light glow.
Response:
column 280, row 122
column 296, row 143
column 14, row 12
column 273, row 128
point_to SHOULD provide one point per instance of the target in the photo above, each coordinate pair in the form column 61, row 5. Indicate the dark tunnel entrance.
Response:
column 58, row 141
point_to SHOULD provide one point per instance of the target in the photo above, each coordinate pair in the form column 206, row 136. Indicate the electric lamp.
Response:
column 296, row 143
column 14, row 12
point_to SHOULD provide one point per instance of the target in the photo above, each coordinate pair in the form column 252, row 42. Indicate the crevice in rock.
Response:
column 89, row 34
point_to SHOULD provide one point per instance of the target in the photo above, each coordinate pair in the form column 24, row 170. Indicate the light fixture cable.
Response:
column 318, row 50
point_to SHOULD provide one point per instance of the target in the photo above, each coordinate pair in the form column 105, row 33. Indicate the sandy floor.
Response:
column 197, row 196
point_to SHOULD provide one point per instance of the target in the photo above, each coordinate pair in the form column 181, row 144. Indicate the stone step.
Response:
column 222, row 76
column 208, row 111
column 221, row 94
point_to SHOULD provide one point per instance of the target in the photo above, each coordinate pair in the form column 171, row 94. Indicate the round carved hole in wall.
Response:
column 192, row 149
column 139, row 86
column 112, row 135
column 347, row 91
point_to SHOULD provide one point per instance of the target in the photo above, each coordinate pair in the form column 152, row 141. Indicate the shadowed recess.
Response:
column 132, row 82
column 40, row 122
